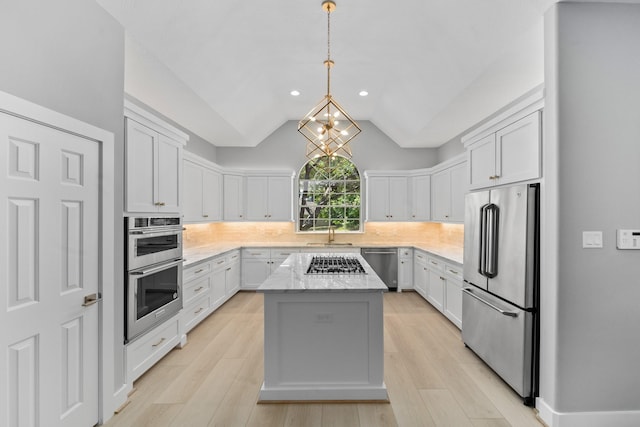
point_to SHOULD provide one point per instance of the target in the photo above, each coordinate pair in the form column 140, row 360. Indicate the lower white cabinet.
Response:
column 435, row 283
column 453, row 293
column 147, row 350
column 440, row 283
column 259, row 263
column 405, row 269
column 207, row 285
column 420, row 272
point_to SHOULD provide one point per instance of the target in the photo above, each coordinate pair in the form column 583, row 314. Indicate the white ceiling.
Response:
column 433, row 68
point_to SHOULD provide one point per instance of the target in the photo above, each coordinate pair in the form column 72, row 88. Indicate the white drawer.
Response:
column 419, row 257
column 282, row 253
column 435, row 264
column 233, row 257
column 453, row 271
column 195, row 313
column 256, row 253
column 218, row 263
column 195, row 271
column 146, row 351
column 195, row 289
column 405, row 253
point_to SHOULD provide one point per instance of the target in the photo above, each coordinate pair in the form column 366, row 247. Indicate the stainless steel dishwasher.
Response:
column 384, row 262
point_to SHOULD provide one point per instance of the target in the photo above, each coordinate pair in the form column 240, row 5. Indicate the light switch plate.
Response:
column 592, row 239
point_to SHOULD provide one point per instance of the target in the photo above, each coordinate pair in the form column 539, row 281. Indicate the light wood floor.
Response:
column 432, row 379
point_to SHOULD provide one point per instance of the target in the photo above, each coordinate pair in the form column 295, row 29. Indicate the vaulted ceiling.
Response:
column 224, row 69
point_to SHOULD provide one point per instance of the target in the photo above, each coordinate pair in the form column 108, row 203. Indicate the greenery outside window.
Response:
column 329, row 195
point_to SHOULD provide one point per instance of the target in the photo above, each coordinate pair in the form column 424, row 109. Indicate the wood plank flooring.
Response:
column 432, row 379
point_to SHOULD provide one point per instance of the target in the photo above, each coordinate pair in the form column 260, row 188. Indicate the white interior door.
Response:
column 49, row 262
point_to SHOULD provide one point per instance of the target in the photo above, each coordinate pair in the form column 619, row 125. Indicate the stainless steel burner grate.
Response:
column 335, row 265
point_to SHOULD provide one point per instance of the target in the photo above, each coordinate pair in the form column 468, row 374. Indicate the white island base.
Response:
column 323, row 346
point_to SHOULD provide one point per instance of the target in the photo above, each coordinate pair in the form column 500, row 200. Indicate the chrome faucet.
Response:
column 332, row 233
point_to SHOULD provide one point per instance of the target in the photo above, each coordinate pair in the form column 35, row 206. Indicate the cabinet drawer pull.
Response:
column 220, row 262
column 453, row 272
column 198, row 310
column 199, row 288
column 158, row 343
column 205, row 216
column 228, row 269
column 199, row 271
column 434, row 263
column 159, row 203
column 441, row 278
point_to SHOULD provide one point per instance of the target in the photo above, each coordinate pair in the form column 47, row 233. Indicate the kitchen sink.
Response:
column 329, row 245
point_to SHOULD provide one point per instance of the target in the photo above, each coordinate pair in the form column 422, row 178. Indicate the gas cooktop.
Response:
column 335, row 265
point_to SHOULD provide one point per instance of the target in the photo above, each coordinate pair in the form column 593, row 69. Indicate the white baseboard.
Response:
column 553, row 418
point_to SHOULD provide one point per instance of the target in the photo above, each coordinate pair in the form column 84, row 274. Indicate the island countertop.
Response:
column 291, row 277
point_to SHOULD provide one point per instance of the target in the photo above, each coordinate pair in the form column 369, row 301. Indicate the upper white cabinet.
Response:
column 387, row 198
column 420, row 203
column 269, row 198
column 153, row 163
column 202, row 200
column 448, row 187
column 508, row 148
column 233, row 197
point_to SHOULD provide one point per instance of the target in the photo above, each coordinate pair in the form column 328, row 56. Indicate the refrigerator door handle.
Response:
column 491, row 264
column 482, row 247
column 469, row 292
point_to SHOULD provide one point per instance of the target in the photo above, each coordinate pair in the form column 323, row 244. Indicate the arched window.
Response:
column 329, row 195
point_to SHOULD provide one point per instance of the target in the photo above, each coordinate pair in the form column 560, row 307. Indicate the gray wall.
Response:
column 591, row 297
column 285, row 149
column 69, row 56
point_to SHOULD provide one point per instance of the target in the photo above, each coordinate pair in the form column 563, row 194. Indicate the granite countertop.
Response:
column 194, row 255
column 291, row 277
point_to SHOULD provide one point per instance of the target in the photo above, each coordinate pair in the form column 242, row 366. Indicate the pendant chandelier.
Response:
column 327, row 127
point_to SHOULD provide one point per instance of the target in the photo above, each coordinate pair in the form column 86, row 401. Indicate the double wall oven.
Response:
column 153, row 279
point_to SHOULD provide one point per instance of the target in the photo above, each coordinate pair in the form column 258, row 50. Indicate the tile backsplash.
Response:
column 393, row 233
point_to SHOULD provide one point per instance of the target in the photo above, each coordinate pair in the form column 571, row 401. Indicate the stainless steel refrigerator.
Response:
column 501, row 274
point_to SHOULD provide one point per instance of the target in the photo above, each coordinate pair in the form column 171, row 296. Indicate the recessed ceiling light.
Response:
column 363, row 93
column 295, row 93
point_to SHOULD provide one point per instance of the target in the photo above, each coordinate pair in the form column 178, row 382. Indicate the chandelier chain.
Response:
column 328, row 50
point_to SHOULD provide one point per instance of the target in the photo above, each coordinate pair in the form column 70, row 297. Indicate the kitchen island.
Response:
column 323, row 333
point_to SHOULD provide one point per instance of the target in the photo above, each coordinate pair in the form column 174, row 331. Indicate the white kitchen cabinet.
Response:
column 269, row 198
column 509, row 155
column 219, row 281
column 387, row 198
column 448, row 188
column 507, row 148
column 197, row 284
column 202, row 191
column 232, row 274
column 405, row 269
column 233, row 197
column 435, row 283
column 420, row 272
column 153, row 161
column 259, row 263
column 420, row 202
column 453, row 293
column 147, row 350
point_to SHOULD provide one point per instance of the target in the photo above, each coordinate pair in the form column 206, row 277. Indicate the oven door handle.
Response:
column 166, row 230
column 157, row 268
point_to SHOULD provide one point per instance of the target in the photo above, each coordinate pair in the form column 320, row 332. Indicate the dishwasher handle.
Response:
column 380, row 252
